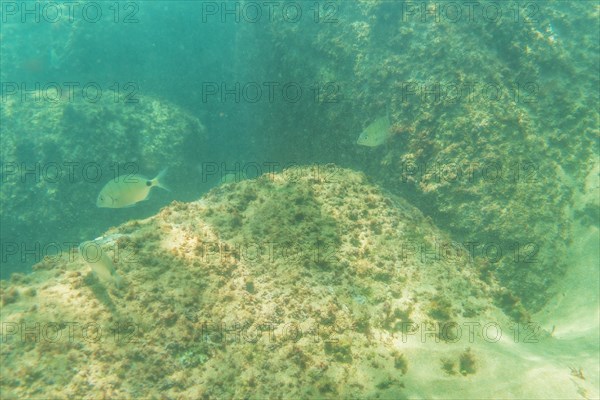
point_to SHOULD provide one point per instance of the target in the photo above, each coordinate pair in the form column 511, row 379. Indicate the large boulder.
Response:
column 307, row 283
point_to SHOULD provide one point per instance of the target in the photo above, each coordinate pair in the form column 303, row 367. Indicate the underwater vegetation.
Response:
column 212, row 294
column 436, row 239
column 498, row 167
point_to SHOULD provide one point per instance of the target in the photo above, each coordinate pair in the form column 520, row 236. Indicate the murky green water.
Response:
column 399, row 184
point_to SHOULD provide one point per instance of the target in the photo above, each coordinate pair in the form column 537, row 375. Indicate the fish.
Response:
column 109, row 239
column 101, row 264
column 128, row 190
column 376, row 134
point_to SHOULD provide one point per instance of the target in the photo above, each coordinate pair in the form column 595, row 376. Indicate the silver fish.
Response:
column 127, row 190
column 100, row 263
column 376, row 134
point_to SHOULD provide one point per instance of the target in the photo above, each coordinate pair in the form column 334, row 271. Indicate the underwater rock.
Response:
column 252, row 292
column 485, row 166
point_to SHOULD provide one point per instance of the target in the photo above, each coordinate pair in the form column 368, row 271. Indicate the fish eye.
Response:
column 101, row 198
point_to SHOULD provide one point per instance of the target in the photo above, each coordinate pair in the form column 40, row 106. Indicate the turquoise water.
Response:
column 492, row 133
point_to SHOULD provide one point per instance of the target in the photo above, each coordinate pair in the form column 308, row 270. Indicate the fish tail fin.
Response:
column 160, row 180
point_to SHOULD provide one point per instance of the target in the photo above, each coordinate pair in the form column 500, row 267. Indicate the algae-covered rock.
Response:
column 493, row 121
column 294, row 285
